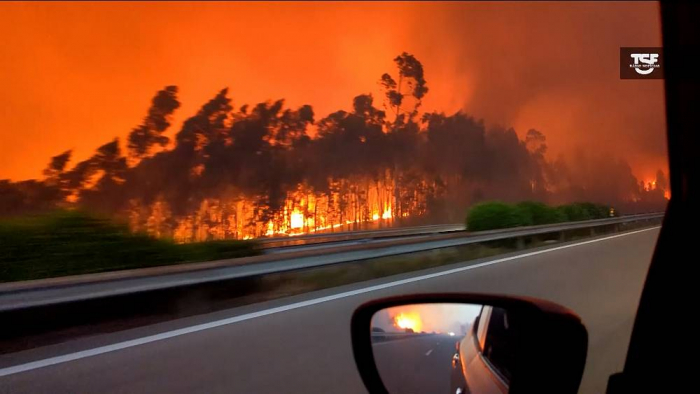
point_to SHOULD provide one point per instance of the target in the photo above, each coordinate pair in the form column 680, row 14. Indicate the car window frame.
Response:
column 482, row 327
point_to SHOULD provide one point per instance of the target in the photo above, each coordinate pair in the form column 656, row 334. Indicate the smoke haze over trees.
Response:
column 241, row 171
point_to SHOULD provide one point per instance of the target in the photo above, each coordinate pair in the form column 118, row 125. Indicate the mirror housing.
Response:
column 551, row 360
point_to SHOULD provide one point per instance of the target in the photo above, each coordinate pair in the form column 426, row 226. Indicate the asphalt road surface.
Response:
column 302, row 344
column 416, row 365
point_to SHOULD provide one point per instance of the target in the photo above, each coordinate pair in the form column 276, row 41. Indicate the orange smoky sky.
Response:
column 75, row 75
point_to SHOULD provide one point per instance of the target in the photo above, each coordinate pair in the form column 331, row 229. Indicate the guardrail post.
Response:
column 521, row 243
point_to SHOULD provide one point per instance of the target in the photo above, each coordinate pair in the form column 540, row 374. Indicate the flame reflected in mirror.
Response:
column 443, row 348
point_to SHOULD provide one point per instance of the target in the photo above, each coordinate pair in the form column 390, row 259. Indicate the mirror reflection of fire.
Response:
column 427, row 318
column 408, row 321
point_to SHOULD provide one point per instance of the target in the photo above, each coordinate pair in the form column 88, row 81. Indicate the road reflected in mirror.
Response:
column 443, row 348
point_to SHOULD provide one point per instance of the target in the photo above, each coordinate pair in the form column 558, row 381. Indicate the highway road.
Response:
column 301, row 344
column 416, row 365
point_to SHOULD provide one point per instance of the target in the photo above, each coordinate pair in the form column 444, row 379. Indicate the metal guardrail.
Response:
column 330, row 237
column 21, row 295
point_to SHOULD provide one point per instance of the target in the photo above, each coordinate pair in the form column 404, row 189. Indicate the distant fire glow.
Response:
column 408, row 320
column 305, row 211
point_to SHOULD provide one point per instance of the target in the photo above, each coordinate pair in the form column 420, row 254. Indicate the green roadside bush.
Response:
column 71, row 243
column 493, row 215
column 585, row 211
column 539, row 213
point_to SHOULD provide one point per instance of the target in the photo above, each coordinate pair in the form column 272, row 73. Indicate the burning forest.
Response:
column 248, row 171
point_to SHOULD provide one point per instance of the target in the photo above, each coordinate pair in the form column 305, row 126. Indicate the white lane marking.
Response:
column 390, row 341
column 428, row 352
column 381, row 343
column 248, row 316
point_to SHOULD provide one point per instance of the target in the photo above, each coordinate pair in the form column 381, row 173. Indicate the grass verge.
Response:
column 72, row 243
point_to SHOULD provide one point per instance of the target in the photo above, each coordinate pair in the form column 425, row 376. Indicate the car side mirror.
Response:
column 468, row 343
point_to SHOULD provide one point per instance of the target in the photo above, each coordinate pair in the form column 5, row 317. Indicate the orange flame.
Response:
column 350, row 204
column 296, row 219
column 408, row 320
column 387, row 213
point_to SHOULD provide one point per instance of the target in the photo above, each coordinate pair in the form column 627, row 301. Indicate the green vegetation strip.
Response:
column 73, row 243
column 493, row 215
